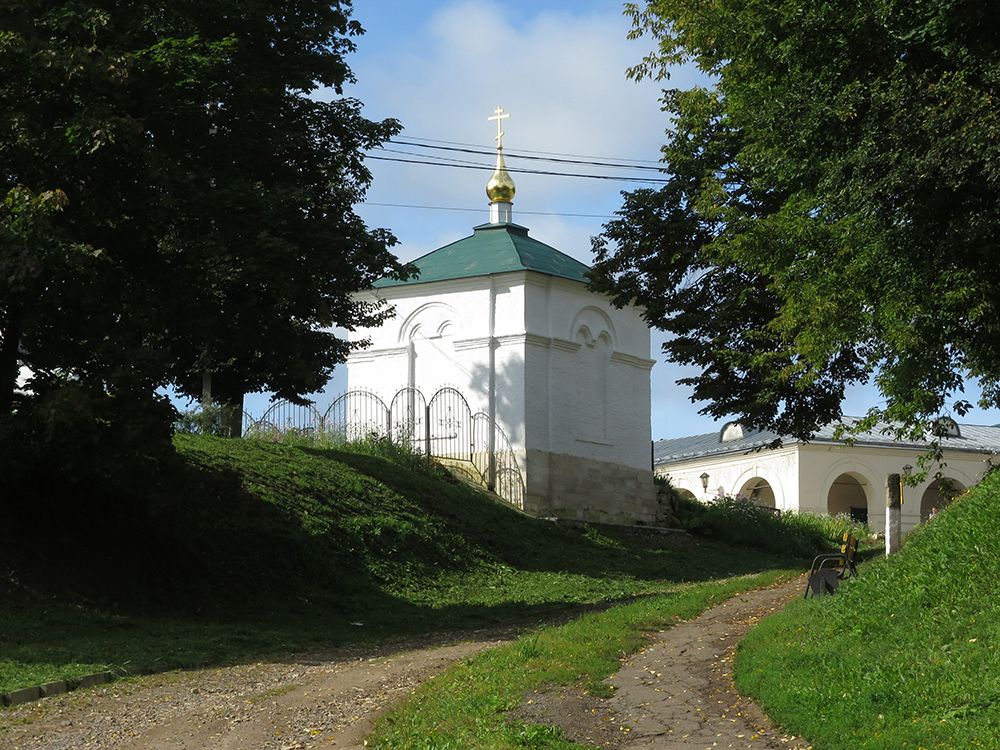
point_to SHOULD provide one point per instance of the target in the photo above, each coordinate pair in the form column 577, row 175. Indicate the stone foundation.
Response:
column 564, row 486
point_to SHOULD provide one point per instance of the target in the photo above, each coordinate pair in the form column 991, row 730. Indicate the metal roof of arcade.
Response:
column 975, row 438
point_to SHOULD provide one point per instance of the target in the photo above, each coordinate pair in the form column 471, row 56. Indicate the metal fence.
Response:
column 442, row 427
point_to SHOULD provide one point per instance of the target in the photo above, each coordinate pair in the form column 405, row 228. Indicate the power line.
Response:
column 480, row 210
column 514, row 155
column 490, row 168
column 529, row 151
column 430, row 156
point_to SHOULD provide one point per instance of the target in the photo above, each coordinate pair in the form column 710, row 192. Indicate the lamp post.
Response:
column 704, row 482
column 907, row 471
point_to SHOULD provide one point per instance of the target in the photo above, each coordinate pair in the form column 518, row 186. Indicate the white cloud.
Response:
column 562, row 78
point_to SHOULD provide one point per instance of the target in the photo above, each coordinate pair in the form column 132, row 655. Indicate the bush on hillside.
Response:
column 80, row 453
column 738, row 521
column 670, row 503
column 206, row 419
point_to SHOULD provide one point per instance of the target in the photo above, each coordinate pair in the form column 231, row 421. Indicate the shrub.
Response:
column 738, row 521
column 206, row 419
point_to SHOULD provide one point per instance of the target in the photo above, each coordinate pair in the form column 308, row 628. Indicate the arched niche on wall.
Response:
column 429, row 333
column 590, row 386
column 429, row 320
column 848, row 496
column 596, row 322
column 758, row 491
column 938, row 494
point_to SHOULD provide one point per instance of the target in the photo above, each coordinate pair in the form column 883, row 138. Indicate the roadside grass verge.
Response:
column 248, row 550
column 905, row 656
column 466, row 706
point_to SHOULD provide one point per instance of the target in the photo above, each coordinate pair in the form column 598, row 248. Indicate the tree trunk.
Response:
column 232, row 416
column 9, row 368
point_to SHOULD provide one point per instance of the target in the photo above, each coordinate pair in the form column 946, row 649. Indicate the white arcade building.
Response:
column 826, row 475
column 509, row 322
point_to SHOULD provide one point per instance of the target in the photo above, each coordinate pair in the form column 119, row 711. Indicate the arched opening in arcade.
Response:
column 938, row 494
column 757, row 491
column 847, row 497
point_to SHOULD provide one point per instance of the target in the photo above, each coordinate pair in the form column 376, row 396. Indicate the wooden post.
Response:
column 893, row 510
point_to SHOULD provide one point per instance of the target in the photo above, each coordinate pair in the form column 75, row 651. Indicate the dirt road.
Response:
column 323, row 702
column 676, row 694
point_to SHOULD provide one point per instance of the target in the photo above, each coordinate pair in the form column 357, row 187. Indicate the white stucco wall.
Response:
column 571, row 372
column 802, row 476
column 729, row 474
column 823, row 464
column 588, row 370
column 438, row 336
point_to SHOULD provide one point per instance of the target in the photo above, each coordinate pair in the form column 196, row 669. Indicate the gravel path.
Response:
column 328, row 701
column 677, row 693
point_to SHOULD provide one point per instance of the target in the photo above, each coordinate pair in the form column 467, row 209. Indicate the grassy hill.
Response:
column 906, row 656
column 242, row 548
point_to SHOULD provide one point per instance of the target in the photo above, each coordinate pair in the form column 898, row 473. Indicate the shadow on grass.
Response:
column 248, row 551
column 532, row 544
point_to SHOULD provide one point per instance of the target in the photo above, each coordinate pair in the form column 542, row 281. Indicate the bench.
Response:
column 829, row 569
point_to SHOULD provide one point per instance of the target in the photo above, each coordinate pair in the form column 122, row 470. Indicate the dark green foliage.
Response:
column 832, row 209
column 71, row 464
column 669, row 502
column 906, row 655
column 209, row 419
column 175, row 202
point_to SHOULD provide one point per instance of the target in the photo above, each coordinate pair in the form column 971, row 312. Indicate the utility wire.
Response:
column 522, row 171
column 529, row 151
column 488, row 153
column 514, row 155
column 480, row 210
column 430, row 156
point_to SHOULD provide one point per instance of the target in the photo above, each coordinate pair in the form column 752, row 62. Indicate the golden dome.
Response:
column 500, row 188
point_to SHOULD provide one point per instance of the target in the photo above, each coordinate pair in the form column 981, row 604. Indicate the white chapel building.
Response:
column 510, row 323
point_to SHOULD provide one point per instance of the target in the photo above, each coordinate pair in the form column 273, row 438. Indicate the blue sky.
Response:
column 558, row 66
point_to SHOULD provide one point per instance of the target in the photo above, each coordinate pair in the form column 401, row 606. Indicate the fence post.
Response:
column 427, row 429
column 491, row 461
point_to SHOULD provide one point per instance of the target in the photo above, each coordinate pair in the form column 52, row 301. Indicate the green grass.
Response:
column 905, row 656
column 247, row 549
column 465, row 707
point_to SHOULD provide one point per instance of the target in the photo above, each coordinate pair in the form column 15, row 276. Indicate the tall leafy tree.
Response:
column 177, row 203
column 833, row 207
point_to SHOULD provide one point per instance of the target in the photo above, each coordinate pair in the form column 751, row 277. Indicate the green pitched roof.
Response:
column 493, row 248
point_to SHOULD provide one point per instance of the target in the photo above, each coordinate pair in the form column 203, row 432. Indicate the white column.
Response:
column 893, row 521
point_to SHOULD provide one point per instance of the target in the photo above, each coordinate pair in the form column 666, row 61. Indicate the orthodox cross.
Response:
column 498, row 115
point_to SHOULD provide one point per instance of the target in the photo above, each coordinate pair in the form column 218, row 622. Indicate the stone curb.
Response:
column 26, row 695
